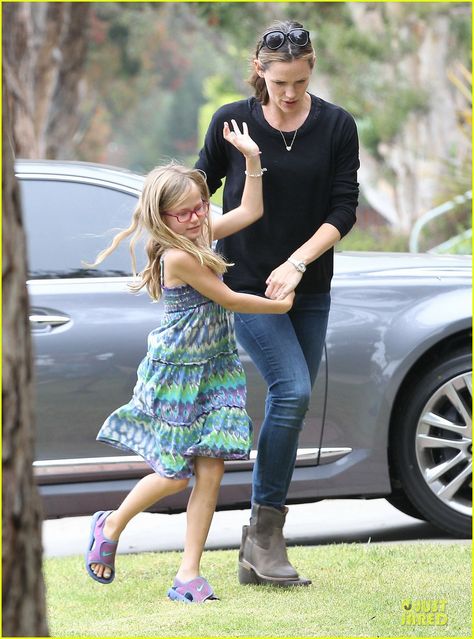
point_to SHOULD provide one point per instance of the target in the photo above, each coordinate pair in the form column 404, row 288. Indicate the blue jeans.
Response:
column 287, row 350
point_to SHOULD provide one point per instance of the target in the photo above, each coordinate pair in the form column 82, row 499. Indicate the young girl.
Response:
column 187, row 414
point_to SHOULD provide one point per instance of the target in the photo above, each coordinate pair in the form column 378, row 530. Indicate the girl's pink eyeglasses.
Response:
column 185, row 216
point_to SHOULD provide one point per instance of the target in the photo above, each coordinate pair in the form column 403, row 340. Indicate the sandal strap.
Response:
column 104, row 549
column 196, row 590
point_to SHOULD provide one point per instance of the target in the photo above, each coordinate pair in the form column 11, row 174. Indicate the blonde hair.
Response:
column 286, row 53
column 164, row 189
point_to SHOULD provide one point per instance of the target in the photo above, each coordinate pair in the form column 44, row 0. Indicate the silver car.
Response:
column 391, row 411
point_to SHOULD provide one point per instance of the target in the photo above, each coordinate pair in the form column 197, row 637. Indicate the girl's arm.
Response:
column 183, row 266
column 251, row 207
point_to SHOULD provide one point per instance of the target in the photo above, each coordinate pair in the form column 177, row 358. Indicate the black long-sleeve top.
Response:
column 315, row 182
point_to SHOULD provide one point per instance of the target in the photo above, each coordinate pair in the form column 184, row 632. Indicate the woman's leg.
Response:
column 287, row 350
column 144, row 494
column 271, row 342
column 309, row 317
column 200, row 510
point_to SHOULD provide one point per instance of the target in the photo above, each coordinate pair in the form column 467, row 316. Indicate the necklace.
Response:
column 288, row 146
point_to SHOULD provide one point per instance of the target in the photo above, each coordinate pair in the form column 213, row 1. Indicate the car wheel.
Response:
column 431, row 445
column 400, row 502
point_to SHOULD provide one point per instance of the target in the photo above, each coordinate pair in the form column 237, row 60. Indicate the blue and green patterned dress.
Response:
column 189, row 399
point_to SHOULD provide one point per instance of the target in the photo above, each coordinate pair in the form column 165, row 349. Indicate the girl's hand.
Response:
column 289, row 299
column 242, row 141
column 282, row 281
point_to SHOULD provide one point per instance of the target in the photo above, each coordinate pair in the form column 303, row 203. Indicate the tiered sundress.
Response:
column 189, row 399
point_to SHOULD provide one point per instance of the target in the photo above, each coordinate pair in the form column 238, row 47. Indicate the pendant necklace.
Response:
column 288, row 146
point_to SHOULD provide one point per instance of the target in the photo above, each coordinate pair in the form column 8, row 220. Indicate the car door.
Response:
column 89, row 332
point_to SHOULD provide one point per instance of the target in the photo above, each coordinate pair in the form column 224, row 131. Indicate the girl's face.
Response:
column 286, row 84
column 194, row 212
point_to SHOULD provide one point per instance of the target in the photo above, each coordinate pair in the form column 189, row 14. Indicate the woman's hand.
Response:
column 282, row 281
column 242, row 141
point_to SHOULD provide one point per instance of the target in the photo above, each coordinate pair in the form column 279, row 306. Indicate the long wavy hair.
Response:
column 164, row 189
column 286, row 53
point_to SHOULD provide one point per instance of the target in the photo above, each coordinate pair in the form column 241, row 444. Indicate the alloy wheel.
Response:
column 444, row 443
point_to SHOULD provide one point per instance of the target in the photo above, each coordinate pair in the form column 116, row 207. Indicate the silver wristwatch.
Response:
column 299, row 266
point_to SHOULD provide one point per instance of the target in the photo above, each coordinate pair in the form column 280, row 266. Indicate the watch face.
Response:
column 299, row 266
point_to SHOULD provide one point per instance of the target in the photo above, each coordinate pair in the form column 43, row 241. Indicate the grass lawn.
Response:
column 357, row 591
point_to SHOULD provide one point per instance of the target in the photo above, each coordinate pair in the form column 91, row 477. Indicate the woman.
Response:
column 310, row 150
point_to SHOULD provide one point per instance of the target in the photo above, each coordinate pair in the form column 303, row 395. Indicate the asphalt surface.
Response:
column 325, row 522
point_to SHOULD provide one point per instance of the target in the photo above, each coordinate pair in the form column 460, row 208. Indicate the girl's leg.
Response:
column 144, row 494
column 201, row 507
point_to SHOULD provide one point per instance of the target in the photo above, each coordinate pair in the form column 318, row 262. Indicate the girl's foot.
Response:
column 184, row 576
column 100, row 555
column 196, row 590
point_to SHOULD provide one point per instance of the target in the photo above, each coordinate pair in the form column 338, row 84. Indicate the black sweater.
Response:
column 315, row 182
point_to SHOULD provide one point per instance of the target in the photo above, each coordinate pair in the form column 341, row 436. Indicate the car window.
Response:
column 69, row 222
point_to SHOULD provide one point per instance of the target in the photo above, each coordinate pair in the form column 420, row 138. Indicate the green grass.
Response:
column 358, row 590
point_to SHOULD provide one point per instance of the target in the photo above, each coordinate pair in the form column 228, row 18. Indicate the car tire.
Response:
column 435, row 478
column 400, row 501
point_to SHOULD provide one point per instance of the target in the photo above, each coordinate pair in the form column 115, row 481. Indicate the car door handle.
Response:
column 49, row 320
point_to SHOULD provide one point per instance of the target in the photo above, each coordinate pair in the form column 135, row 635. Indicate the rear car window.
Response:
column 69, row 222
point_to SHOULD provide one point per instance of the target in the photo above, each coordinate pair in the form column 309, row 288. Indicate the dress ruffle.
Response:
column 168, row 448
column 190, row 395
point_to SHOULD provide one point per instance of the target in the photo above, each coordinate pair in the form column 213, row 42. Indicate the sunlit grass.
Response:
column 357, row 590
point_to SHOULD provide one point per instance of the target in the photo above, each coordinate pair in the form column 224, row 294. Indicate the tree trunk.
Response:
column 60, row 130
column 44, row 47
column 18, row 78
column 23, row 587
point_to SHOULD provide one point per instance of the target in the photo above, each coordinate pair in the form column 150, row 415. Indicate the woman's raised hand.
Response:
column 241, row 140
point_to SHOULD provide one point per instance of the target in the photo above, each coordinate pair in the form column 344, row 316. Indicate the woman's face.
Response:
column 286, row 83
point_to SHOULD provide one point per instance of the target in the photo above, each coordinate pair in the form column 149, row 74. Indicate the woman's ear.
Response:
column 258, row 68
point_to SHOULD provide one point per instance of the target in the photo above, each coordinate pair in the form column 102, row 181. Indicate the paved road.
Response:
column 325, row 522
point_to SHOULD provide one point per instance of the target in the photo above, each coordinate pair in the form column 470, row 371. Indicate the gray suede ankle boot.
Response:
column 262, row 557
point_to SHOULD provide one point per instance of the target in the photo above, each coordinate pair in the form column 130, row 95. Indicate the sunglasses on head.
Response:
column 273, row 40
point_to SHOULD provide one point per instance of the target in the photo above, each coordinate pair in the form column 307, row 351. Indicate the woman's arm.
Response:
column 340, row 219
column 213, row 159
column 251, row 207
column 185, row 267
column 286, row 277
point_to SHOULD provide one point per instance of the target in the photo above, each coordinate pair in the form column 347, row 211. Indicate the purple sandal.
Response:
column 100, row 549
column 196, row 590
